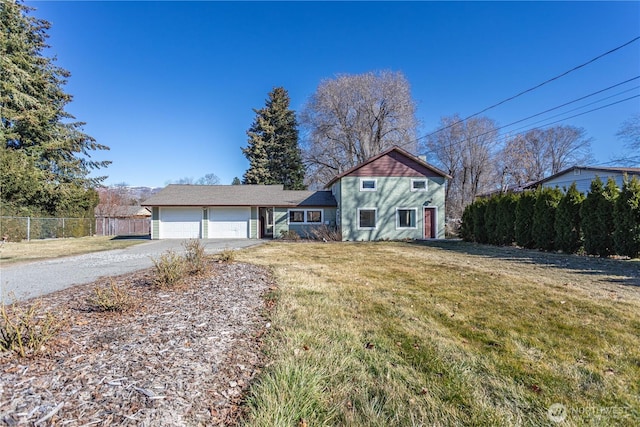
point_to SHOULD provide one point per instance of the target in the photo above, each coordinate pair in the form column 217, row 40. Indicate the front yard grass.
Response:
column 13, row 252
column 401, row 334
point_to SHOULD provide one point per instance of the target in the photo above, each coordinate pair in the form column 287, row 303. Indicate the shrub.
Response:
column 491, row 220
column 567, row 225
column 194, row 256
column 112, row 298
column 597, row 217
column 506, row 219
column 227, row 256
column 25, row 330
column 626, row 237
column 466, row 227
column 289, row 235
column 479, row 227
column 544, row 215
column 524, row 219
column 170, row 269
column 326, row 233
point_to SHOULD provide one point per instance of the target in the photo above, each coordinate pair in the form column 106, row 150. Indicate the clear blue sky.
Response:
column 170, row 86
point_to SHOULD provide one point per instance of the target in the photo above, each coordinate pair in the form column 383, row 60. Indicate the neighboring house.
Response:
column 583, row 175
column 394, row 195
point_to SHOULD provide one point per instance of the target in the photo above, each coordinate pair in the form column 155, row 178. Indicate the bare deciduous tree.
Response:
column 539, row 153
column 465, row 150
column 354, row 117
column 629, row 132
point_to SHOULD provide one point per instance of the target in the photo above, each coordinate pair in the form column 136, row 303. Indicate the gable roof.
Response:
column 238, row 195
column 606, row 170
column 401, row 156
column 121, row 211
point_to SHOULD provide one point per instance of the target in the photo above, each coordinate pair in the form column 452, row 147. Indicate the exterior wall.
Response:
column 155, row 223
column 391, row 193
column 583, row 179
column 281, row 221
column 253, row 223
column 205, row 223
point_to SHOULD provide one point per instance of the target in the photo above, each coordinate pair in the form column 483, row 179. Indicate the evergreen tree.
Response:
column 568, row 236
column 506, row 218
column 524, row 219
column 544, row 216
column 36, row 132
column 273, row 151
column 597, row 217
column 626, row 236
column 479, row 226
column 466, row 228
column 491, row 220
column 236, row 181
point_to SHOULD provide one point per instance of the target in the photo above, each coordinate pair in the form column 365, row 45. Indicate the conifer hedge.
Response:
column 604, row 222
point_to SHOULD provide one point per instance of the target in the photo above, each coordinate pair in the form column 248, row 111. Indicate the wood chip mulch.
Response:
column 180, row 357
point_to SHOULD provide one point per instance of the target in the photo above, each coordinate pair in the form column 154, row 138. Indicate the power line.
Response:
column 505, row 137
column 534, row 87
column 555, row 108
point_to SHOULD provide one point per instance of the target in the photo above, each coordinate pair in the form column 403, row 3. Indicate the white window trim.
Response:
column 376, row 218
column 375, row 184
column 415, row 227
column 426, row 184
column 305, row 217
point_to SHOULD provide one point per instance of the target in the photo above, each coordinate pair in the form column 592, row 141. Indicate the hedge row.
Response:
column 603, row 222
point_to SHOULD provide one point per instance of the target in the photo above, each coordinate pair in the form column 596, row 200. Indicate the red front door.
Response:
column 429, row 223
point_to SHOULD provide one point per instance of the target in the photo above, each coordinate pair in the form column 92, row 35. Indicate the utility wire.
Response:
column 552, row 109
column 505, row 137
column 534, row 87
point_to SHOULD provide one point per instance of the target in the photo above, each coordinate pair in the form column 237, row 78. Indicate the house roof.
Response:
column 387, row 152
column 606, row 170
column 238, row 195
column 121, row 211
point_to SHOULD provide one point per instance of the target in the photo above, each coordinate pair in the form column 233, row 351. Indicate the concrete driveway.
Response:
column 28, row 280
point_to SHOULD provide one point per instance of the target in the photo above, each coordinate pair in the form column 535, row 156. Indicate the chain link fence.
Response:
column 16, row 229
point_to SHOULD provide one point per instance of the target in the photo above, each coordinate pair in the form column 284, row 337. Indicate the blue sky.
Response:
column 170, row 86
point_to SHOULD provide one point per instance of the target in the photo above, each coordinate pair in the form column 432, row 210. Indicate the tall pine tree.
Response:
column 273, row 151
column 40, row 141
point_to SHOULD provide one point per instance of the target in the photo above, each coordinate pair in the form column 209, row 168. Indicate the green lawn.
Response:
column 401, row 334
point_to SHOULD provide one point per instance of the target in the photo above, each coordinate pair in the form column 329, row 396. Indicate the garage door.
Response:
column 180, row 223
column 226, row 223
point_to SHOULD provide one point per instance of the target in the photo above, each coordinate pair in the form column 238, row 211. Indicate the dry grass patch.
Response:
column 12, row 252
column 384, row 334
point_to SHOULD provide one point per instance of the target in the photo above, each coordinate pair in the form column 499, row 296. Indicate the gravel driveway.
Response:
column 28, row 280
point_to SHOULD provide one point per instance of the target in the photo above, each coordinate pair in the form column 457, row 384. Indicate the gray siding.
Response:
column 155, row 223
column 583, row 179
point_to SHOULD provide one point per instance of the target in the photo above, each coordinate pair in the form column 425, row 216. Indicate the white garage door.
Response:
column 225, row 223
column 180, row 223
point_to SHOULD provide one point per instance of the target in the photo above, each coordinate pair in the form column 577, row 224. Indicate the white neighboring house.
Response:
column 583, row 175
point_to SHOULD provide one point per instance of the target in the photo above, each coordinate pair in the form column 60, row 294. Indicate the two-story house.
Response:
column 393, row 196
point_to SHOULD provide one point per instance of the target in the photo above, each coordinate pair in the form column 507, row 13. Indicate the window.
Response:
column 406, row 218
column 305, row 216
column 368, row 184
column 314, row 216
column 366, row 218
column 418, row 185
column 296, row 216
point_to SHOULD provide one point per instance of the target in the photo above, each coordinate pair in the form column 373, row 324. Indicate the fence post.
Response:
column 28, row 229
